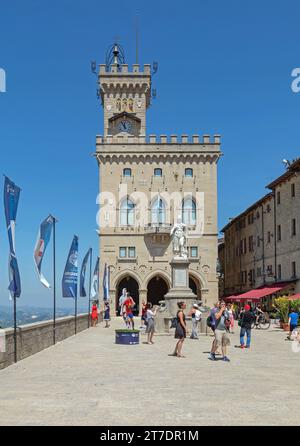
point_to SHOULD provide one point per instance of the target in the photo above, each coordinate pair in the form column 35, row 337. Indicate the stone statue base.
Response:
column 180, row 291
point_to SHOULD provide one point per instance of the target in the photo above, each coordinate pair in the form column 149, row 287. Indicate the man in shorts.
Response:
column 221, row 333
column 128, row 305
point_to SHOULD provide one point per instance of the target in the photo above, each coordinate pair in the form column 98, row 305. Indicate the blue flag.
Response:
column 106, row 282
column 83, row 271
column 43, row 239
column 11, row 201
column 95, row 281
column 70, row 277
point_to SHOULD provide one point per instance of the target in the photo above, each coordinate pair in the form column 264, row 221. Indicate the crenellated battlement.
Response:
column 159, row 139
column 136, row 70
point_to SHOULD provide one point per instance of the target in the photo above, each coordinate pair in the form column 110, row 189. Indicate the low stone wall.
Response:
column 33, row 338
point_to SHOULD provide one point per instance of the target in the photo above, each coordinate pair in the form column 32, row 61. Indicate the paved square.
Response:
column 88, row 380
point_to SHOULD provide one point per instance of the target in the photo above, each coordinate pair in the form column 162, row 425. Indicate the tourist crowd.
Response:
column 220, row 320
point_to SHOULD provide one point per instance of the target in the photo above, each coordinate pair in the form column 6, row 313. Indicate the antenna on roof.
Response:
column 137, row 39
column 287, row 163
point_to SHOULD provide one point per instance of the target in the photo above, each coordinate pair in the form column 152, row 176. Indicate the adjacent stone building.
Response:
column 262, row 244
column 146, row 182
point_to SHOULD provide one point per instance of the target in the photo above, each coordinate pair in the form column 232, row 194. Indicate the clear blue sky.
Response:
column 224, row 67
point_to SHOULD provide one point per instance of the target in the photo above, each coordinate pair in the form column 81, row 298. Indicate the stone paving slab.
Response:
column 88, row 380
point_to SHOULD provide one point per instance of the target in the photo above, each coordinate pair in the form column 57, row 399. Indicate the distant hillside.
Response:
column 28, row 315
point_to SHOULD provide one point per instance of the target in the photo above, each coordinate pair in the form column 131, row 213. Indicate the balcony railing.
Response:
column 158, row 228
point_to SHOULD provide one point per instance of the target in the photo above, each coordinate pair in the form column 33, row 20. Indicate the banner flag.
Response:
column 70, row 277
column 83, row 271
column 95, row 281
column 11, row 201
column 43, row 239
column 106, row 280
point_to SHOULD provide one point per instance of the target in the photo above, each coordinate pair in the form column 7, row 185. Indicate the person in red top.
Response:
column 145, row 307
column 94, row 315
column 129, row 304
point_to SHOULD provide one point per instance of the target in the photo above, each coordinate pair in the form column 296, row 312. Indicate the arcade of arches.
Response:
column 156, row 290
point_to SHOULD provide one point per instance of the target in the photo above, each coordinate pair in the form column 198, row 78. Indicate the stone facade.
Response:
column 144, row 182
column 262, row 244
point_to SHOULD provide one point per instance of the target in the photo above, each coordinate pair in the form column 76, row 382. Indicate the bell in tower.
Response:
column 125, row 94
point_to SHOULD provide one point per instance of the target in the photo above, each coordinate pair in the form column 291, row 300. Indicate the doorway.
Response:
column 132, row 286
column 156, row 290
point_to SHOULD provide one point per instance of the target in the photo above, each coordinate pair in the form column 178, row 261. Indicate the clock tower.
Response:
column 125, row 96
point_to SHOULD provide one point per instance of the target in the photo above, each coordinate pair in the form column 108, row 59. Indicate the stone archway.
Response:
column 132, row 286
column 156, row 289
column 195, row 286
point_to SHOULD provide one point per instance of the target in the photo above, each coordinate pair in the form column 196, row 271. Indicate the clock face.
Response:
column 125, row 126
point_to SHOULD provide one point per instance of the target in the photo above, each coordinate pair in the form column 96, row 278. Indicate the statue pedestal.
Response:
column 180, row 292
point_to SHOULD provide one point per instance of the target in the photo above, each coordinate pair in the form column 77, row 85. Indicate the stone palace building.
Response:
column 146, row 182
column 262, row 244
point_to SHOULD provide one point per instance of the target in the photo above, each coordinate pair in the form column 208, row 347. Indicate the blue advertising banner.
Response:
column 43, row 239
column 95, row 281
column 70, row 277
column 106, row 280
column 11, row 201
column 83, row 272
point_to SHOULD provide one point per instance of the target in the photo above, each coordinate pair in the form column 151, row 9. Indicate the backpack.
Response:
column 210, row 321
column 174, row 322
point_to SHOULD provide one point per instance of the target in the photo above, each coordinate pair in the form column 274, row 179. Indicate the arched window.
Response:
column 158, row 211
column 158, row 172
column 127, row 172
column 189, row 172
column 127, row 212
column 189, row 211
column 124, row 104
column 118, row 105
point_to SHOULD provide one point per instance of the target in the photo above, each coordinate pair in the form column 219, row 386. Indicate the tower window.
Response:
column 127, row 213
column 189, row 211
column 131, row 252
column 122, row 252
column 127, row 172
column 189, row 173
column 194, row 251
column 158, row 172
column 118, row 105
column 158, row 211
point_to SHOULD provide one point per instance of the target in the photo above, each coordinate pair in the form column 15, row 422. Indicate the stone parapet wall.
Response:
column 32, row 338
column 159, row 139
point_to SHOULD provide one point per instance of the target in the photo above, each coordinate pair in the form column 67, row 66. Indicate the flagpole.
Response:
column 54, row 281
column 98, row 282
column 90, row 289
column 75, row 314
column 15, row 328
